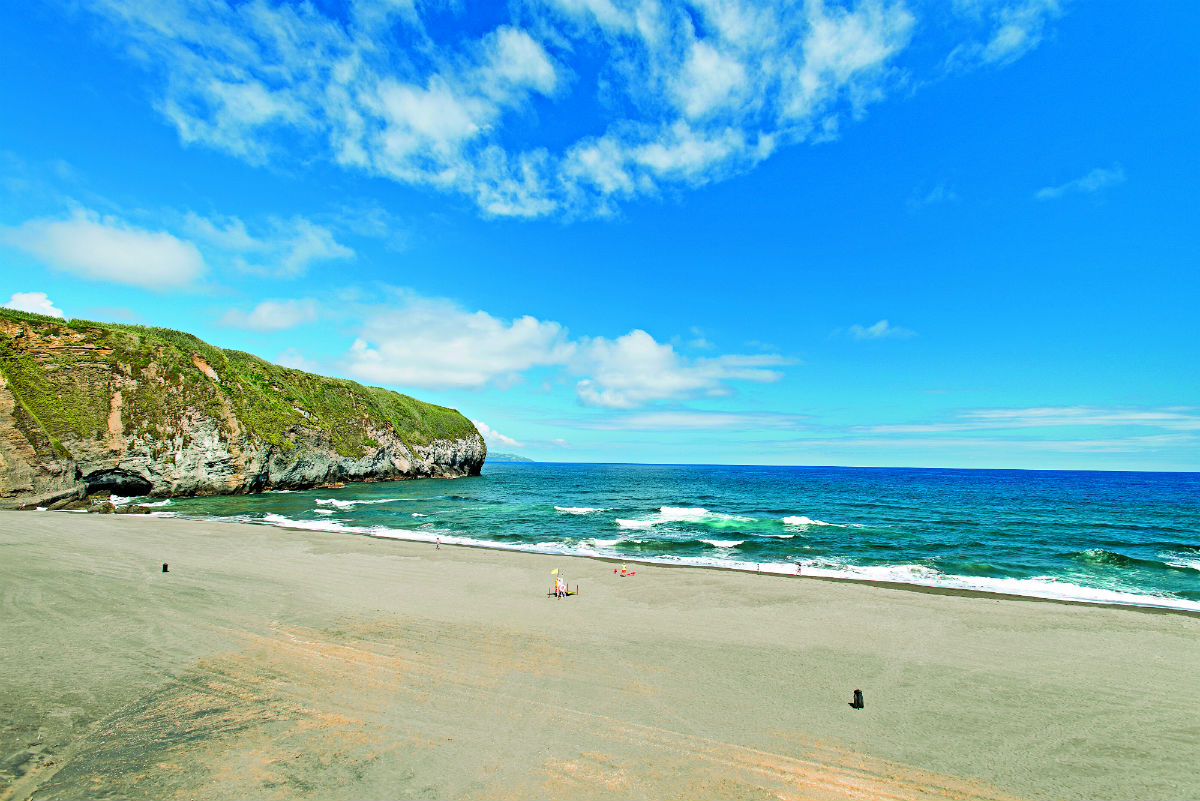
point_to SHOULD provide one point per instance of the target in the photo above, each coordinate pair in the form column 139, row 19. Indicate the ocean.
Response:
column 1112, row 537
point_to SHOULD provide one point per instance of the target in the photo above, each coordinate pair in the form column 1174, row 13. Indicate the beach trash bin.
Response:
column 857, row 703
column 165, row 568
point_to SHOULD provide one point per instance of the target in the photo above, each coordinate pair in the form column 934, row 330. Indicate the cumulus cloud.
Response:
column 492, row 436
column 880, row 330
column 1094, row 181
column 659, row 93
column 36, row 302
column 107, row 249
column 435, row 344
column 273, row 315
column 634, row 369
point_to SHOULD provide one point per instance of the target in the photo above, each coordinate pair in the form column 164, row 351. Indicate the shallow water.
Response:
column 1129, row 538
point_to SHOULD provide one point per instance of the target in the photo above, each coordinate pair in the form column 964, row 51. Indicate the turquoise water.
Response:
column 1117, row 537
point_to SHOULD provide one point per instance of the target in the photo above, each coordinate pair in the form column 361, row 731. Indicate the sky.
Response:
column 962, row 233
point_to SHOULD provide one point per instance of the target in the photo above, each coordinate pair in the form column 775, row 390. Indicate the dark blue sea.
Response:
column 1129, row 538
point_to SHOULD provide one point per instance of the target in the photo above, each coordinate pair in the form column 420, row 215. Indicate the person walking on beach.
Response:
column 438, row 543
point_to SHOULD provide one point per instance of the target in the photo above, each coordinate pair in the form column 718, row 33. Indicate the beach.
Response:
column 275, row 663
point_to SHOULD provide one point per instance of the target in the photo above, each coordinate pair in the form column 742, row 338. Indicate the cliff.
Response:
column 88, row 407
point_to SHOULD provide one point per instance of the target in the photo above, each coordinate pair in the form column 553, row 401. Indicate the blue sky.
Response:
column 960, row 233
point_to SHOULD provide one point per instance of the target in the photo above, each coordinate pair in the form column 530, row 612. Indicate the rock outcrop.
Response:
column 93, row 407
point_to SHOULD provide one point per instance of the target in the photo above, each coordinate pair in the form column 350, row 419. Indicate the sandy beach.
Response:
column 287, row 664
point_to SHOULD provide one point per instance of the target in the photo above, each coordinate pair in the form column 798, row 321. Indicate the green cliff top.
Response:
column 64, row 373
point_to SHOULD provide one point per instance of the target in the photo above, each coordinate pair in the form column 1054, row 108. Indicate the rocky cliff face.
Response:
column 87, row 407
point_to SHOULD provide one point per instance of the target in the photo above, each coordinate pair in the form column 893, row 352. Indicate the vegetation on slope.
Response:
column 64, row 382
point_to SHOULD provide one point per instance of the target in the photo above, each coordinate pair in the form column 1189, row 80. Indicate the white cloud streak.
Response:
column 285, row 248
column 689, row 420
column 880, row 330
column 1009, row 28
column 660, row 93
column 939, row 195
column 1172, row 419
column 1122, row 445
column 1096, row 180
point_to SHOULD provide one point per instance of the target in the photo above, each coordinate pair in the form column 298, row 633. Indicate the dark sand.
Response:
column 289, row 664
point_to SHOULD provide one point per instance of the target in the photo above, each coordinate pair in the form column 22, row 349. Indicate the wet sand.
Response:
column 290, row 664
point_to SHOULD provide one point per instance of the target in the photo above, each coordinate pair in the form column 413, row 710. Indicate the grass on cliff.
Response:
column 64, row 374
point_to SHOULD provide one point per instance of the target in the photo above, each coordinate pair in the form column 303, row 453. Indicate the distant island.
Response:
column 88, row 408
column 507, row 457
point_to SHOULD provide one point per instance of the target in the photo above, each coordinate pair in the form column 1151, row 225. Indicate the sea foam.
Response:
column 802, row 520
column 340, row 504
column 685, row 514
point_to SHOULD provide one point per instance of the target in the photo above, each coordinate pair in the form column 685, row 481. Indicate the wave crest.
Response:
column 803, row 520
column 340, row 504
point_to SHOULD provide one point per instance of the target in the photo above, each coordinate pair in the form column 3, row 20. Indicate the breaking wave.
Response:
column 1100, row 557
column 340, row 504
column 688, row 516
column 802, row 520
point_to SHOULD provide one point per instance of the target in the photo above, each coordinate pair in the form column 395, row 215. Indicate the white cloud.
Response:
column 432, row 121
column 1010, row 28
column 308, row 243
column 1019, row 30
column 684, row 153
column 843, row 51
column 634, row 369
column 1006, row 445
column 107, row 249
column 938, row 195
column 880, row 330
column 284, row 247
column 710, row 79
column 1094, row 181
column 495, row 437
column 1172, row 418
column 435, row 344
column 516, row 63
column 273, row 315
column 293, row 358
column 691, row 420
column 657, row 93
column 36, row 302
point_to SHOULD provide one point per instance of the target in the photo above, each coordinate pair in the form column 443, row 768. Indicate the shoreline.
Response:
column 932, row 589
column 1149, row 603
column 291, row 664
